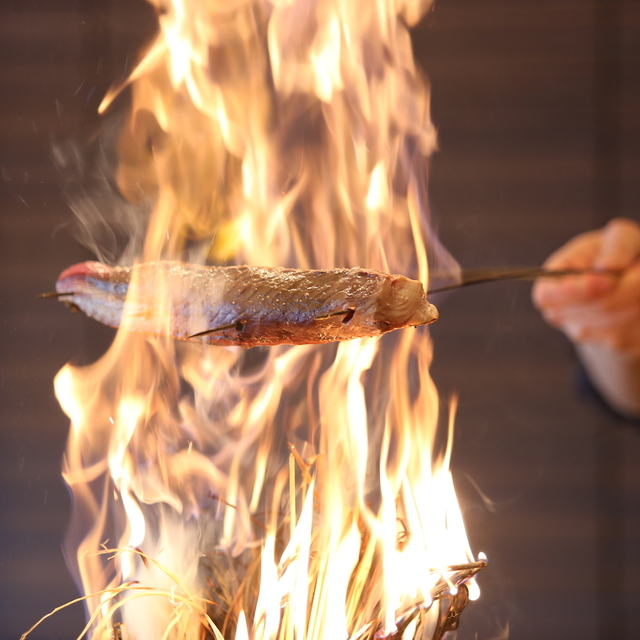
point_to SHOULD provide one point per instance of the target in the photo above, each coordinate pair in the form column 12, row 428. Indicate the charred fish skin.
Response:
column 244, row 305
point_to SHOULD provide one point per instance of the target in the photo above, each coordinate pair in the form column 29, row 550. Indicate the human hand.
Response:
column 596, row 308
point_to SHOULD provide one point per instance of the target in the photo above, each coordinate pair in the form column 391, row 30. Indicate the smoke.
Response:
column 112, row 227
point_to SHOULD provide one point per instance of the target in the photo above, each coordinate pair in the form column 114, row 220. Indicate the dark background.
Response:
column 538, row 109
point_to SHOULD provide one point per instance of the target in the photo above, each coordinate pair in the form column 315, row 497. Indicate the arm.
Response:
column 600, row 314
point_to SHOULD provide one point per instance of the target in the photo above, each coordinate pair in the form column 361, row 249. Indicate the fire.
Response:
column 291, row 492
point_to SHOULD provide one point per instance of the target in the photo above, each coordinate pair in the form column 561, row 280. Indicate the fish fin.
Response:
column 347, row 313
column 238, row 326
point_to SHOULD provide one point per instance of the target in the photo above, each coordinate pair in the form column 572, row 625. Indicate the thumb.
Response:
column 620, row 245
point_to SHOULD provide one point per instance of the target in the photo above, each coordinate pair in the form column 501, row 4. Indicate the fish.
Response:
column 246, row 306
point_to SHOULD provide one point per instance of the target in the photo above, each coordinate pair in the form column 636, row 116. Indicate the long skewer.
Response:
column 468, row 277
column 480, row 276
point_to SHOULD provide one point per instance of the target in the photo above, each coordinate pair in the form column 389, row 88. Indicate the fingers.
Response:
column 623, row 294
column 616, row 248
column 579, row 253
column 620, row 245
column 591, row 316
column 595, row 308
column 612, row 319
column 621, row 333
column 571, row 290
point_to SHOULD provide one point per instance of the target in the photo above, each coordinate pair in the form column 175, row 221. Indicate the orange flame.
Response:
column 298, row 489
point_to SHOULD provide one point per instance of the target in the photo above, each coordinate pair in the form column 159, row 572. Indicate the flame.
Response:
column 290, row 492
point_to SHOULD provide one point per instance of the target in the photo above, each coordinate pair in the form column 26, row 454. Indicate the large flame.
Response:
column 284, row 492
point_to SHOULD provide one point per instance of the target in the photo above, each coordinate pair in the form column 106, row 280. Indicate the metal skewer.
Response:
column 468, row 277
column 479, row 276
column 54, row 294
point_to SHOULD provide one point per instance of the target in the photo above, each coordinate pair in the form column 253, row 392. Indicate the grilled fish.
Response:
column 246, row 306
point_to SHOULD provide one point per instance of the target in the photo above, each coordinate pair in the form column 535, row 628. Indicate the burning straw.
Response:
column 290, row 492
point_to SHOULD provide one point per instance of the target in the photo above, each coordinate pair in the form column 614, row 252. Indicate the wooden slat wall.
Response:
column 549, row 483
column 537, row 143
column 56, row 62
